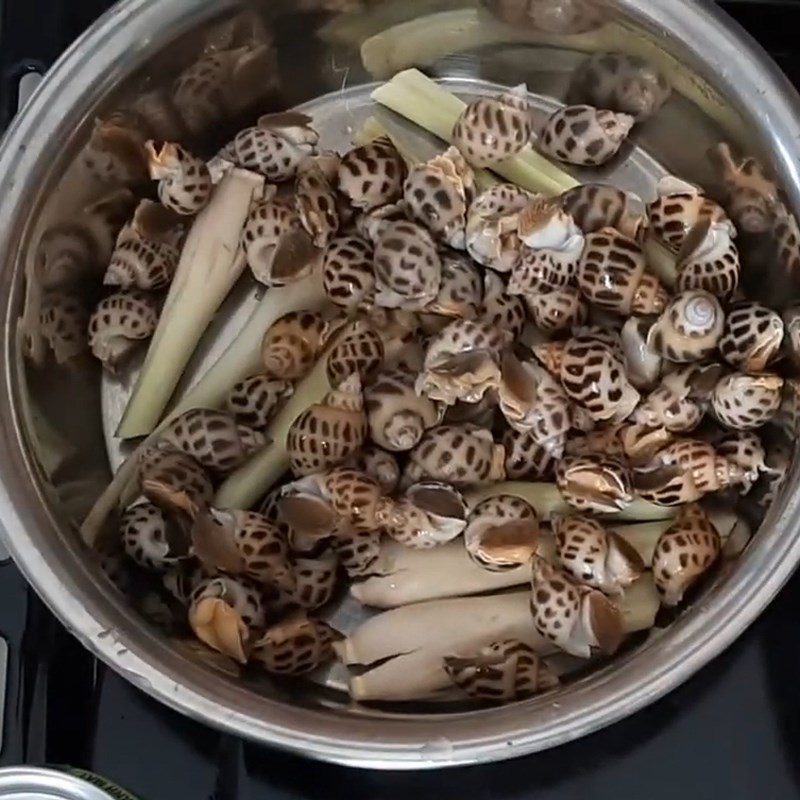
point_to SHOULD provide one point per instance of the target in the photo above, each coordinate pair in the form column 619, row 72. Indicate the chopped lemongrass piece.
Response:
column 242, row 488
column 210, row 264
column 547, row 500
column 431, row 106
column 410, row 643
column 240, row 359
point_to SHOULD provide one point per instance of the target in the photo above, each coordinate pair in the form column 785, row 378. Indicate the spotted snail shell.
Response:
column 295, row 646
column 149, row 537
column 461, row 289
column 315, row 197
column 63, row 324
column 501, row 673
column 594, row 483
column 493, row 129
column 438, row 194
column 752, row 337
column 594, row 556
column 119, row 325
column 594, row 376
column 689, row 328
column 462, row 362
column 244, row 543
column 534, row 402
column 612, row 275
column 184, row 180
column 213, row 438
column 558, row 310
column 372, row 175
column 679, row 207
column 575, row 618
column 684, row 472
column 174, row 481
column 526, row 459
column 347, row 272
column 746, row 402
column 292, row 345
column 595, row 206
column 380, row 465
column 254, row 400
column 327, row 433
column 684, row 553
column 584, row 135
column 501, row 533
column 358, row 351
column 709, row 260
column 428, row 515
column 223, row 613
column 464, row 455
column 397, row 415
column 500, row 308
column 745, row 450
column 315, row 579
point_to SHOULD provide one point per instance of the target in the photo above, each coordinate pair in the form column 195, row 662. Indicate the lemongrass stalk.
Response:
column 241, row 359
column 210, row 264
column 425, row 39
column 429, row 105
column 242, row 488
column 547, row 500
column 409, row 644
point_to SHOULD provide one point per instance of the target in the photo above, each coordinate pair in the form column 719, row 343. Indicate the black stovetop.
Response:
column 732, row 732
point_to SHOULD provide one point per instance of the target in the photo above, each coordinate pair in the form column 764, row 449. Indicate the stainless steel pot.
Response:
column 55, row 461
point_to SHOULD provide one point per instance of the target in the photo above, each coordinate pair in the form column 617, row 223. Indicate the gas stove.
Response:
column 732, row 731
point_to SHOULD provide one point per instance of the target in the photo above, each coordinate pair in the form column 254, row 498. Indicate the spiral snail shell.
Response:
column 690, row 327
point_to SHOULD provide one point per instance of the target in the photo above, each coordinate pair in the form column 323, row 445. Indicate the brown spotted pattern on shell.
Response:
column 594, row 556
column 348, row 273
column 690, row 327
column 358, row 551
column 149, row 537
column 63, row 320
column 174, row 481
column 115, row 153
column 461, row 289
column 358, row 351
column 493, row 129
column 397, row 415
column 500, row 308
column 502, row 672
column 429, row 514
column 213, row 438
column 275, row 147
column 752, row 337
column 355, row 497
column 526, row 459
column 327, row 433
column 492, row 226
column 534, row 402
column 595, row 206
column 438, row 194
column 746, row 402
column 502, row 533
column 464, row 455
column 575, row 618
column 223, row 613
column 745, row 450
column 542, row 271
column 462, row 362
column 611, row 275
column 315, row 197
column 184, row 181
column 557, row 311
column 622, row 83
column 679, row 207
column 315, row 580
column 244, row 543
column 253, row 401
column 594, row 483
column 684, row 472
column 709, row 259
column 684, row 553
column 372, row 175
column 279, row 250
column 584, row 135
column 120, row 324
column 594, row 376
column 295, row 646
column 408, row 268
column 291, row 346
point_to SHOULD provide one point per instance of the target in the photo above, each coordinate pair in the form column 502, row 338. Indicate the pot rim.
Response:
column 400, row 742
